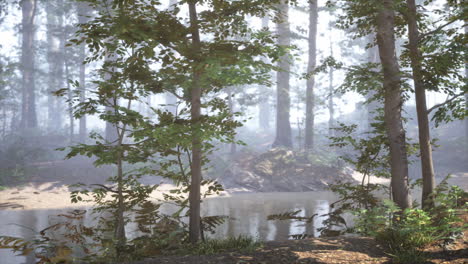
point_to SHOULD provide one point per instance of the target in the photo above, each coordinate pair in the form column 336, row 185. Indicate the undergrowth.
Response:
column 214, row 246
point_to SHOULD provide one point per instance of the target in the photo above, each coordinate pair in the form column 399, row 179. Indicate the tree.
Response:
column 171, row 100
column 312, row 61
column 195, row 110
column 373, row 59
column 193, row 68
column 28, row 108
column 83, row 11
column 283, row 100
column 56, row 60
column 427, row 166
column 331, row 90
column 466, row 76
column 264, row 95
column 393, row 102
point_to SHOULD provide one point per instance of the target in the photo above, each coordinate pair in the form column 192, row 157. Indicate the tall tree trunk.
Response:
column 196, row 92
column 170, row 99
column 393, row 105
column 310, row 97
column 52, row 54
column 421, row 108
column 110, row 132
column 372, row 57
column 331, row 104
column 466, row 76
column 83, row 12
column 264, row 97
column 71, row 118
column 283, row 124
column 28, row 107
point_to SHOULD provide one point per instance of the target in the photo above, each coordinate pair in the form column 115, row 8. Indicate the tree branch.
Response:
column 444, row 103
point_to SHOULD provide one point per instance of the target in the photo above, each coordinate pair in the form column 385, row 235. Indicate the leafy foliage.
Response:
column 405, row 233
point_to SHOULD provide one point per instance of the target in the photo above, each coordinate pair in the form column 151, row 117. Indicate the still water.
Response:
column 247, row 216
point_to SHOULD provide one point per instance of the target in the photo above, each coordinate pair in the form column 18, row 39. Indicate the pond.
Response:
column 247, row 213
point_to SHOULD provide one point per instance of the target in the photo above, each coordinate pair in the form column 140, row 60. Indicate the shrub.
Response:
column 405, row 233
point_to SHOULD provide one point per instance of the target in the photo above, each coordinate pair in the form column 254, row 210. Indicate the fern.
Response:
column 209, row 223
column 292, row 216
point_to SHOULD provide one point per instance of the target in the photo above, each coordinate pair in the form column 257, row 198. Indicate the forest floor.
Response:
column 320, row 251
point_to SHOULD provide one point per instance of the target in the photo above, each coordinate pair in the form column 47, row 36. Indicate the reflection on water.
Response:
column 248, row 216
column 249, row 213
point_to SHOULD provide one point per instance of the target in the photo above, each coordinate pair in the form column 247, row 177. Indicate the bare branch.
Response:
column 444, row 103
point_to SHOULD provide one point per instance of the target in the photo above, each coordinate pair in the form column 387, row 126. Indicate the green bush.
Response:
column 405, row 233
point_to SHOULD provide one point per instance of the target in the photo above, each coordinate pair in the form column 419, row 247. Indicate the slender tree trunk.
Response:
column 70, row 92
column 4, row 126
column 28, row 107
column 310, row 97
column 421, row 108
column 264, row 97
column 393, row 105
column 171, row 100
column 233, row 145
column 110, row 133
column 331, row 105
column 83, row 12
column 372, row 57
column 119, row 231
column 52, row 54
column 59, row 65
column 283, row 124
column 196, row 92
column 466, row 76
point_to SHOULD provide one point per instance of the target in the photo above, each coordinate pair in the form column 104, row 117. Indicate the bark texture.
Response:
column 28, row 106
column 312, row 56
column 466, row 76
column 196, row 174
column 393, row 105
column 283, row 124
column 427, row 166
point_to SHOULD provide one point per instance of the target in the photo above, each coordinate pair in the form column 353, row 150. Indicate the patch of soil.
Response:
column 283, row 170
column 337, row 250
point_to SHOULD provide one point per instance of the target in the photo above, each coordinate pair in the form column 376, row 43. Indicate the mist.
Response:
column 135, row 130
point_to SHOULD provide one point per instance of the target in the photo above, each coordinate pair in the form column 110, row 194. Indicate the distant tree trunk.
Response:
column 52, row 53
column 372, row 57
column 196, row 169
column 264, row 97
column 83, row 12
column 310, row 97
column 421, row 108
column 71, row 118
column 171, row 100
column 110, row 132
column 393, row 105
column 110, row 129
column 28, row 107
column 283, row 124
column 233, row 145
column 331, row 105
